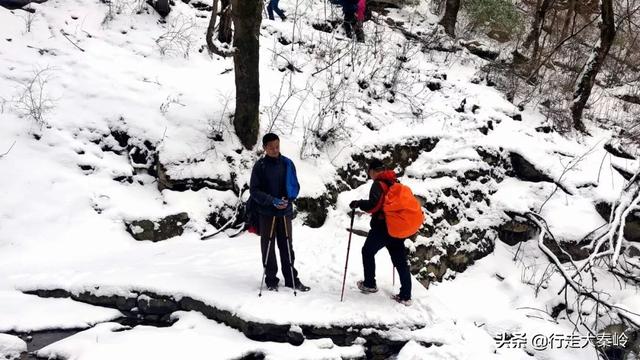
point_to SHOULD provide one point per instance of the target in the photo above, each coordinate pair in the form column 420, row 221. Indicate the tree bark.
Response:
column 212, row 27
column 537, row 24
column 568, row 20
column 162, row 7
column 450, row 17
column 594, row 64
column 247, row 16
column 225, row 34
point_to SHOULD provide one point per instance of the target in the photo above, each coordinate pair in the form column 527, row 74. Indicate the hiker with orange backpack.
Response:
column 395, row 215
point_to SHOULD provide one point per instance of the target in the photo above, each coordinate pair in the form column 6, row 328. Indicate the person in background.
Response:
column 360, row 15
column 273, row 6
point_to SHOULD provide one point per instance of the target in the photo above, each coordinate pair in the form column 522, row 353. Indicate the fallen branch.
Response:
column 228, row 223
column 71, row 41
column 577, row 287
column 6, row 152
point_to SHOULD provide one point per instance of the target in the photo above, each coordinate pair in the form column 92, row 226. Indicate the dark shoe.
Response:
column 366, row 289
column 405, row 302
column 272, row 287
column 301, row 287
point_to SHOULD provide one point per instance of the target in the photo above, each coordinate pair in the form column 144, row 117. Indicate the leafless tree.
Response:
column 247, row 16
column 225, row 33
column 587, row 78
column 450, row 17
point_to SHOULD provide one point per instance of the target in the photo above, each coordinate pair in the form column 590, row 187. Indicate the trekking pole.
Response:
column 344, row 277
column 286, row 233
column 393, row 275
column 266, row 258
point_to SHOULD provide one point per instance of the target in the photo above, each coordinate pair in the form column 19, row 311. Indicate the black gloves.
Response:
column 354, row 204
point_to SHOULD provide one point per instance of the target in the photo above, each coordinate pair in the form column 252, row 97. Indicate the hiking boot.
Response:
column 272, row 287
column 405, row 302
column 366, row 289
column 301, row 287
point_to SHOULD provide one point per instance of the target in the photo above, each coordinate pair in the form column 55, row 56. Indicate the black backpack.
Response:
column 251, row 217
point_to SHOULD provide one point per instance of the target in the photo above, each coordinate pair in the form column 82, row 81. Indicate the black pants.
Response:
column 349, row 21
column 377, row 239
column 273, row 6
column 277, row 236
column 350, row 24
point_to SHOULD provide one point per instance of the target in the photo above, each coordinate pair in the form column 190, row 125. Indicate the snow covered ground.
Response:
column 62, row 213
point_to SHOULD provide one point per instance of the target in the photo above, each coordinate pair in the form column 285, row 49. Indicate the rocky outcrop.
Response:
column 517, row 229
column 314, row 210
column 158, row 230
column 524, row 170
column 481, row 50
column 401, row 156
column 166, row 182
column 152, row 307
column 17, row 4
column 452, row 238
column 624, row 344
column 617, row 150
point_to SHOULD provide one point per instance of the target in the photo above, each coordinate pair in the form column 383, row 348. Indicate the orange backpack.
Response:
column 402, row 211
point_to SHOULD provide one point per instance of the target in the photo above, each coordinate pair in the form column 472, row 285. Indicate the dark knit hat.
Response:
column 376, row 164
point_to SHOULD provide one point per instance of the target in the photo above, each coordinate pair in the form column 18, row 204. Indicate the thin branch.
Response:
column 71, row 41
column 577, row 287
column 6, row 152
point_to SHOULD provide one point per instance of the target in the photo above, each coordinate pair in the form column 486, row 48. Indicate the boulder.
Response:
column 158, row 230
column 17, row 4
column 481, row 50
column 517, row 230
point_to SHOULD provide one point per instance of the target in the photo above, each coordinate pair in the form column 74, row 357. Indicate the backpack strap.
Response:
column 385, row 187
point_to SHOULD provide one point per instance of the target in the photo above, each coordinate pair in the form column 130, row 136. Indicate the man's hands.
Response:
column 354, row 204
column 280, row 204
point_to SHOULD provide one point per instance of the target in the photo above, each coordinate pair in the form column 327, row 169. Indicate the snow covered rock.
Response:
column 516, row 230
column 11, row 347
column 158, row 230
column 482, row 50
column 16, row 4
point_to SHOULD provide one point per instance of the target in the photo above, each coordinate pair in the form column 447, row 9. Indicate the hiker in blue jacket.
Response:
column 273, row 187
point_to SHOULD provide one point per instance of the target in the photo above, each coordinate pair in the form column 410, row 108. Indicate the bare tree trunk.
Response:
column 247, row 16
column 225, row 35
column 162, row 7
column 212, row 27
column 594, row 64
column 568, row 20
column 450, row 17
column 542, row 7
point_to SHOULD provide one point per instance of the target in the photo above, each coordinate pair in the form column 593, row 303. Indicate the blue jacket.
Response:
column 273, row 178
